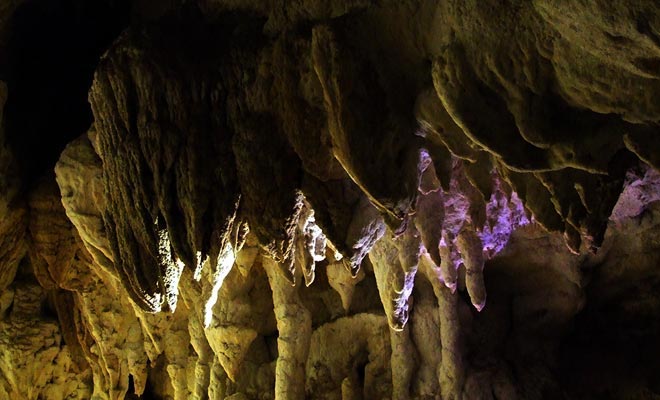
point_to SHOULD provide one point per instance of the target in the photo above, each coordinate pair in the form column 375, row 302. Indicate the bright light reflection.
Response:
column 225, row 262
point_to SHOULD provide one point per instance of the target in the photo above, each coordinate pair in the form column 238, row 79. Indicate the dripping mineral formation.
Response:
column 342, row 199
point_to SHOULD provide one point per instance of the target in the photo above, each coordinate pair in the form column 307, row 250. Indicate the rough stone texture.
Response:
column 36, row 362
column 13, row 221
column 362, row 349
column 342, row 200
column 79, row 176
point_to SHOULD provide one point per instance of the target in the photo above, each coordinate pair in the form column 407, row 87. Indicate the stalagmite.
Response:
column 205, row 355
column 118, row 338
column 452, row 373
column 452, row 370
column 294, row 326
column 402, row 363
column 361, row 349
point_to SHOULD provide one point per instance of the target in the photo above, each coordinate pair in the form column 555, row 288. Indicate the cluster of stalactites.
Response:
column 192, row 155
column 294, row 142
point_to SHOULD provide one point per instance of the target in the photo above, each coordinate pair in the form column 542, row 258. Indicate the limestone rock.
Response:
column 54, row 244
column 79, row 177
column 36, row 362
column 351, row 337
column 407, row 160
column 293, row 343
column 363, row 154
column 13, row 219
column 343, row 282
column 395, row 262
column 230, row 345
column 173, row 173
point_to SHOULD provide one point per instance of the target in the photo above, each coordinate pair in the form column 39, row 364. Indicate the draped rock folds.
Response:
column 167, row 161
column 193, row 142
column 193, row 139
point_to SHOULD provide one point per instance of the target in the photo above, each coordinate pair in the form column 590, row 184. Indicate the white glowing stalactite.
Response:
column 197, row 275
column 310, row 244
column 225, row 262
column 505, row 215
column 172, row 267
column 395, row 263
column 457, row 237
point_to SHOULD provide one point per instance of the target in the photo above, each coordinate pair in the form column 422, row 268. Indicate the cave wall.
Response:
column 329, row 200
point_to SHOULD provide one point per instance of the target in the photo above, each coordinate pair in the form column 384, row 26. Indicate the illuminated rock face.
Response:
column 334, row 200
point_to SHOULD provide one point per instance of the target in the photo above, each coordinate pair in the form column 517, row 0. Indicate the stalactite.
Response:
column 343, row 282
column 395, row 265
column 311, row 243
column 471, row 249
column 174, row 189
column 428, row 221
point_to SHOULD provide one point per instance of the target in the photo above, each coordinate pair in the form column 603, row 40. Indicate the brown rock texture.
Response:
column 214, row 199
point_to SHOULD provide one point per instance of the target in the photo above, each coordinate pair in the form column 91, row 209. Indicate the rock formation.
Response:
column 330, row 199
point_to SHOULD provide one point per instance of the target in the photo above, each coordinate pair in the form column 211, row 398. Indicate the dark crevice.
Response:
column 147, row 395
column 53, row 50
